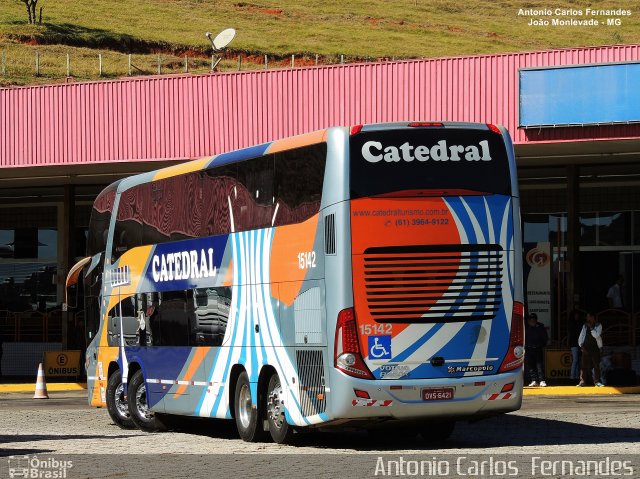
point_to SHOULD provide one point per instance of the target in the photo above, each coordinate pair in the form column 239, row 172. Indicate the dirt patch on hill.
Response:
column 250, row 7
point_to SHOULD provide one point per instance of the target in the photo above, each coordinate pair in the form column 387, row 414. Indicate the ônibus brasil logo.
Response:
column 375, row 151
column 37, row 467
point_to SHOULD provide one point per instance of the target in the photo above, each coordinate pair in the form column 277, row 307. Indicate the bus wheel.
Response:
column 437, row 431
column 117, row 404
column 141, row 414
column 280, row 430
column 248, row 417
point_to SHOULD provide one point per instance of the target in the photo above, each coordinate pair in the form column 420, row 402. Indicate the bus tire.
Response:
column 437, row 431
column 248, row 415
column 142, row 416
column 117, row 404
column 281, row 431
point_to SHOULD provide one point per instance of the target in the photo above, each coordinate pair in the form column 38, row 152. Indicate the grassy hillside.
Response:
column 358, row 29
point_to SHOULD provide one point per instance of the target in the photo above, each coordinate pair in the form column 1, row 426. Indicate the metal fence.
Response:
column 107, row 65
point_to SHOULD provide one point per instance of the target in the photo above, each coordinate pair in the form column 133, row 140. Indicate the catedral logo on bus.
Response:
column 374, row 151
column 194, row 264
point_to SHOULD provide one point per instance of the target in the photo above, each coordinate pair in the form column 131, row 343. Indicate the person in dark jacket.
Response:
column 590, row 341
column 535, row 340
column 573, row 332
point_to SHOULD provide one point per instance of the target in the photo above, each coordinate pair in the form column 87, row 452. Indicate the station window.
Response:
column 614, row 228
column 28, row 258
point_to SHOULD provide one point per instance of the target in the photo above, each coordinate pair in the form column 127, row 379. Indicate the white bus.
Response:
column 351, row 276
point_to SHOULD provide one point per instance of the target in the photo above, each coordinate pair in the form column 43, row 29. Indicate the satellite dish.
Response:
column 222, row 40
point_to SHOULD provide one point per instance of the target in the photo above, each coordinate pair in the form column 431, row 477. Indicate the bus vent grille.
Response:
column 433, row 284
column 311, row 386
column 330, row 234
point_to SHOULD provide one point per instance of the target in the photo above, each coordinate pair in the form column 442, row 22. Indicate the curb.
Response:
column 28, row 388
column 527, row 391
column 576, row 391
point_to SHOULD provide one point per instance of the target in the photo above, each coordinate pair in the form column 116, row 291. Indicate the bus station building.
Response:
column 573, row 114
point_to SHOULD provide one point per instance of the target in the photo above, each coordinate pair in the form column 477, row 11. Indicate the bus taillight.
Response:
column 515, row 353
column 494, row 128
column 347, row 357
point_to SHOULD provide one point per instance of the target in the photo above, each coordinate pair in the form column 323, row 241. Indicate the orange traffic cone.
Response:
column 41, row 385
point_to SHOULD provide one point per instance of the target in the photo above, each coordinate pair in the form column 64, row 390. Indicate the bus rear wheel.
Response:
column 141, row 413
column 117, row 404
column 281, row 431
column 247, row 415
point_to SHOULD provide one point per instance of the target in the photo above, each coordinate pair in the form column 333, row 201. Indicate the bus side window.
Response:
column 100, row 219
column 219, row 188
column 127, row 310
column 299, row 177
column 92, row 295
column 153, row 319
column 182, row 205
column 209, row 321
column 253, row 205
column 154, row 225
column 128, row 230
column 174, row 312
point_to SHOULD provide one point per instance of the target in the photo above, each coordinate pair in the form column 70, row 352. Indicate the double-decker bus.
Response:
column 351, row 276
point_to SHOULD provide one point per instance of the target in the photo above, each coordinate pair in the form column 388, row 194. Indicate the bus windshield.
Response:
column 423, row 159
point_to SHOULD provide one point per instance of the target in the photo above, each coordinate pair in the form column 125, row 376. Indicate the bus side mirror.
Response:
column 71, row 283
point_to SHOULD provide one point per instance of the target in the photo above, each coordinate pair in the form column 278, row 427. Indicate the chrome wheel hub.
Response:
column 244, row 406
column 141, row 402
column 275, row 405
column 121, row 401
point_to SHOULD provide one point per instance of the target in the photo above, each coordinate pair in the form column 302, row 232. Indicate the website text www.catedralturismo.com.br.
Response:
column 402, row 212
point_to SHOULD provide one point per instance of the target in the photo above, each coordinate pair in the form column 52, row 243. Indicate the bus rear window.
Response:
column 428, row 159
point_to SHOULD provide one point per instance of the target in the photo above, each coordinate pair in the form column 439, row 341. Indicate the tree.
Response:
column 31, row 10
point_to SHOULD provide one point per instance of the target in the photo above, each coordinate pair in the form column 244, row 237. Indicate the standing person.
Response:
column 614, row 295
column 590, row 342
column 574, row 327
column 535, row 340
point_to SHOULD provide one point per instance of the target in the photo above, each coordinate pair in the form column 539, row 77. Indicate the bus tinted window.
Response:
column 271, row 190
column 252, row 198
column 428, row 159
column 100, row 218
column 157, row 212
column 172, row 208
column 209, row 322
column 218, row 186
column 299, row 176
column 128, row 230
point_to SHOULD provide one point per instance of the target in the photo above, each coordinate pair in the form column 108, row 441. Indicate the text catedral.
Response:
column 374, row 151
column 192, row 264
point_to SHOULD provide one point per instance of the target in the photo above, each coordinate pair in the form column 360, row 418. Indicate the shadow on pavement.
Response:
column 506, row 430
column 33, row 438
column 23, row 452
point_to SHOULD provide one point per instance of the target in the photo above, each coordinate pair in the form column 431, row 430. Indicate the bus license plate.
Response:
column 437, row 394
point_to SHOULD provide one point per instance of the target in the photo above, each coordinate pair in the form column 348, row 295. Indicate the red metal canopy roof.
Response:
column 190, row 116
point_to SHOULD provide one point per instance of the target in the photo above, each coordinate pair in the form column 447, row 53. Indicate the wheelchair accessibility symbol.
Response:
column 380, row 347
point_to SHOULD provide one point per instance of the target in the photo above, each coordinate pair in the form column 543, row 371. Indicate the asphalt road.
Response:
column 579, row 426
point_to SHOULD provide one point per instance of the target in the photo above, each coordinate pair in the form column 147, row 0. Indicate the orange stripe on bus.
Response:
column 288, row 242
column 228, row 277
column 182, row 168
column 298, row 141
column 195, row 362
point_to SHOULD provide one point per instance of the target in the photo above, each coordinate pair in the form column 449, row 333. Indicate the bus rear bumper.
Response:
column 456, row 398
